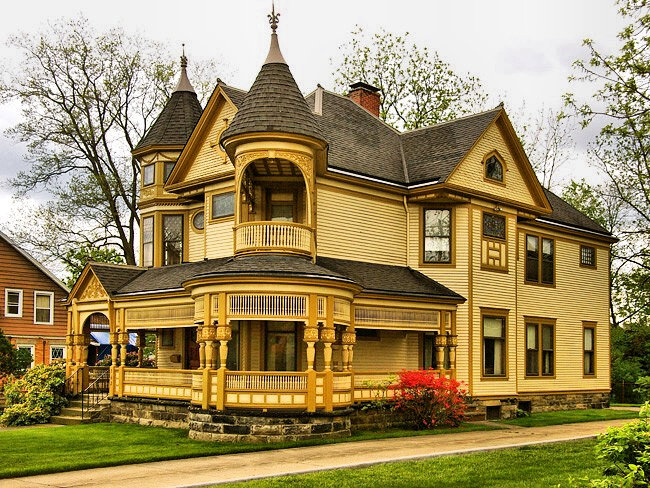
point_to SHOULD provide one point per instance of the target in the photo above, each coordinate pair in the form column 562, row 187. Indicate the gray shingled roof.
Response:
column 432, row 153
column 274, row 104
column 393, row 280
column 175, row 123
column 235, row 94
column 564, row 213
column 114, row 276
column 358, row 141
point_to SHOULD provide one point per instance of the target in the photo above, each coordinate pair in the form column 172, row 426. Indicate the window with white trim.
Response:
column 57, row 352
column 43, row 307
column 13, row 302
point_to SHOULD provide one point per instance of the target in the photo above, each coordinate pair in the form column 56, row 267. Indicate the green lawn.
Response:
column 570, row 416
column 533, row 466
column 25, row 452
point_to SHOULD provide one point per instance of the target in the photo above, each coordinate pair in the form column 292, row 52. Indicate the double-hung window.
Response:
column 43, row 307
column 223, row 205
column 494, row 345
column 172, row 239
column 13, row 302
column 589, row 350
column 540, row 349
column 147, row 242
column 540, row 260
column 148, row 174
column 588, row 256
column 437, row 235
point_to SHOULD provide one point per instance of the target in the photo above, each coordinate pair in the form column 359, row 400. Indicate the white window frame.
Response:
column 32, row 349
column 51, row 295
column 20, row 302
column 52, row 346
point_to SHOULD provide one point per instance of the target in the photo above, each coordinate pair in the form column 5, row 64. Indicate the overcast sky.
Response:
column 521, row 50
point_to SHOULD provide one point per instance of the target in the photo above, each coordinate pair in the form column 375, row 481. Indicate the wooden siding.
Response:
column 358, row 226
column 580, row 294
column 455, row 277
column 219, row 238
column 19, row 273
column 210, row 159
column 196, row 239
column 469, row 174
column 394, row 351
column 164, row 354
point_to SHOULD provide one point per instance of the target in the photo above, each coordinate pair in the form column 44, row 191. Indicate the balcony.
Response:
column 290, row 237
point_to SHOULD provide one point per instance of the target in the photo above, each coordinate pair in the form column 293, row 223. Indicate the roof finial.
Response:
column 274, row 18
column 183, row 58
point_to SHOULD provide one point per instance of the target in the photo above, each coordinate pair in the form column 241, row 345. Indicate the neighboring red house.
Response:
column 32, row 313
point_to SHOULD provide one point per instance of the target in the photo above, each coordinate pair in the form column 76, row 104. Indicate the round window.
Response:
column 198, row 221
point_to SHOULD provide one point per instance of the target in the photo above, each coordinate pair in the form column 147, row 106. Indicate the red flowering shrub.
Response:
column 428, row 400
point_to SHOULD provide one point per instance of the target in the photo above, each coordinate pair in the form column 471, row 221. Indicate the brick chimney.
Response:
column 365, row 95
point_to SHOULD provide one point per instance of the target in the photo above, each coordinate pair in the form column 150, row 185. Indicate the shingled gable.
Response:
column 274, row 103
column 178, row 118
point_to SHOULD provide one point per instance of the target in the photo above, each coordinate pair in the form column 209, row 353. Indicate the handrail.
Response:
column 95, row 392
column 273, row 236
column 69, row 381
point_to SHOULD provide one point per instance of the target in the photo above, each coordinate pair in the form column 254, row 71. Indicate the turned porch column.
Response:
column 328, row 334
column 224, row 332
column 201, row 341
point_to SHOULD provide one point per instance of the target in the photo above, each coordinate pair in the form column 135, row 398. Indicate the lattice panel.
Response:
column 171, row 315
column 245, row 305
column 396, row 317
column 322, row 307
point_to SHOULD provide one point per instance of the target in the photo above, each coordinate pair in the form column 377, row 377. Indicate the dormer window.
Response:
column 494, row 169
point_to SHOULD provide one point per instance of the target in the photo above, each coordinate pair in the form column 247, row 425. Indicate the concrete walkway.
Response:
column 238, row 467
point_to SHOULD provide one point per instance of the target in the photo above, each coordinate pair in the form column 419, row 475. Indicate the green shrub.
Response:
column 35, row 397
column 643, row 388
column 12, row 360
column 626, row 449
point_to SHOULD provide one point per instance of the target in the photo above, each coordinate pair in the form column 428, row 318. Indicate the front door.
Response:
column 192, row 358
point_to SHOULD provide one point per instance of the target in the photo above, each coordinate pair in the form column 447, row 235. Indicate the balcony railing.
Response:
column 273, row 237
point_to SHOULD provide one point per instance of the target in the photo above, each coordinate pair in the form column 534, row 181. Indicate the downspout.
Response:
column 408, row 230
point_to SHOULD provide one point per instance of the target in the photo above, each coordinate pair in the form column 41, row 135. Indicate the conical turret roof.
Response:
column 178, row 118
column 274, row 102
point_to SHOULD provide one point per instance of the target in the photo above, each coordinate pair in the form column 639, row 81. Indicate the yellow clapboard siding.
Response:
column 219, row 238
column 360, row 227
column 210, row 160
column 469, row 174
column 163, row 354
column 394, row 351
column 580, row 294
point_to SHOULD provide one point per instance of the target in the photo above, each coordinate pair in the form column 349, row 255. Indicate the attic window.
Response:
column 494, row 169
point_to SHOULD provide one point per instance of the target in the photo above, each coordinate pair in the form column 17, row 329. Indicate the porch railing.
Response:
column 273, row 236
column 266, row 381
column 96, row 391
column 372, row 385
column 174, row 384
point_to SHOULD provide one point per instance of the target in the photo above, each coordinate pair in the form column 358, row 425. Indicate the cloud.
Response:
column 528, row 60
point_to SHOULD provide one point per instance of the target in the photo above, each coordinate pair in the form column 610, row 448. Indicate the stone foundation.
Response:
column 506, row 408
column 255, row 426
column 373, row 419
column 143, row 411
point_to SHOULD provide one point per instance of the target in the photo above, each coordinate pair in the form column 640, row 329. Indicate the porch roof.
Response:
column 373, row 278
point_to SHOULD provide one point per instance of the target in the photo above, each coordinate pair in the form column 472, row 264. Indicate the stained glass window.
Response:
column 223, row 205
column 494, row 169
column 172, row 239
column 494, row 226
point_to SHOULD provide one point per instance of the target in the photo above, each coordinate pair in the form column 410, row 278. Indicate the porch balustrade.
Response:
column 266, row 381
column 273, row 236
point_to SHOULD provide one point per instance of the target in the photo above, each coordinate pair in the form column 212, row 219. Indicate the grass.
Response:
column 625, row 404
column 531, row 466
column 27, row 452
column 543, row 419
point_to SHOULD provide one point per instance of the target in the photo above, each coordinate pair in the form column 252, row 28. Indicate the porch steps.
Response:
column 71, row 415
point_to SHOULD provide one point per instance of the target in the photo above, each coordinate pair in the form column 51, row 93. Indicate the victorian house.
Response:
column 295, row 248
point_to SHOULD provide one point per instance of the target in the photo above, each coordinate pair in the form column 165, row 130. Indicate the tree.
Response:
column 621, row 102
column 418, row 88
column 12, row 360
column 87, row 98
column 547, row 141
column 76, row 260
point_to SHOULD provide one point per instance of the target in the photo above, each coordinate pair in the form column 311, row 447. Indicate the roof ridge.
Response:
column 440, row 124
column 221, row 82
column 116, row 265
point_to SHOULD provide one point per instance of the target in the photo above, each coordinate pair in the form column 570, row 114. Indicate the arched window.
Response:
column 494, row 169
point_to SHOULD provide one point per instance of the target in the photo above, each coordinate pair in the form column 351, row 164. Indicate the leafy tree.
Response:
column 546, row 138
column 87, row 98
column 76, row 260
column 12, row 360
column 418, row 88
